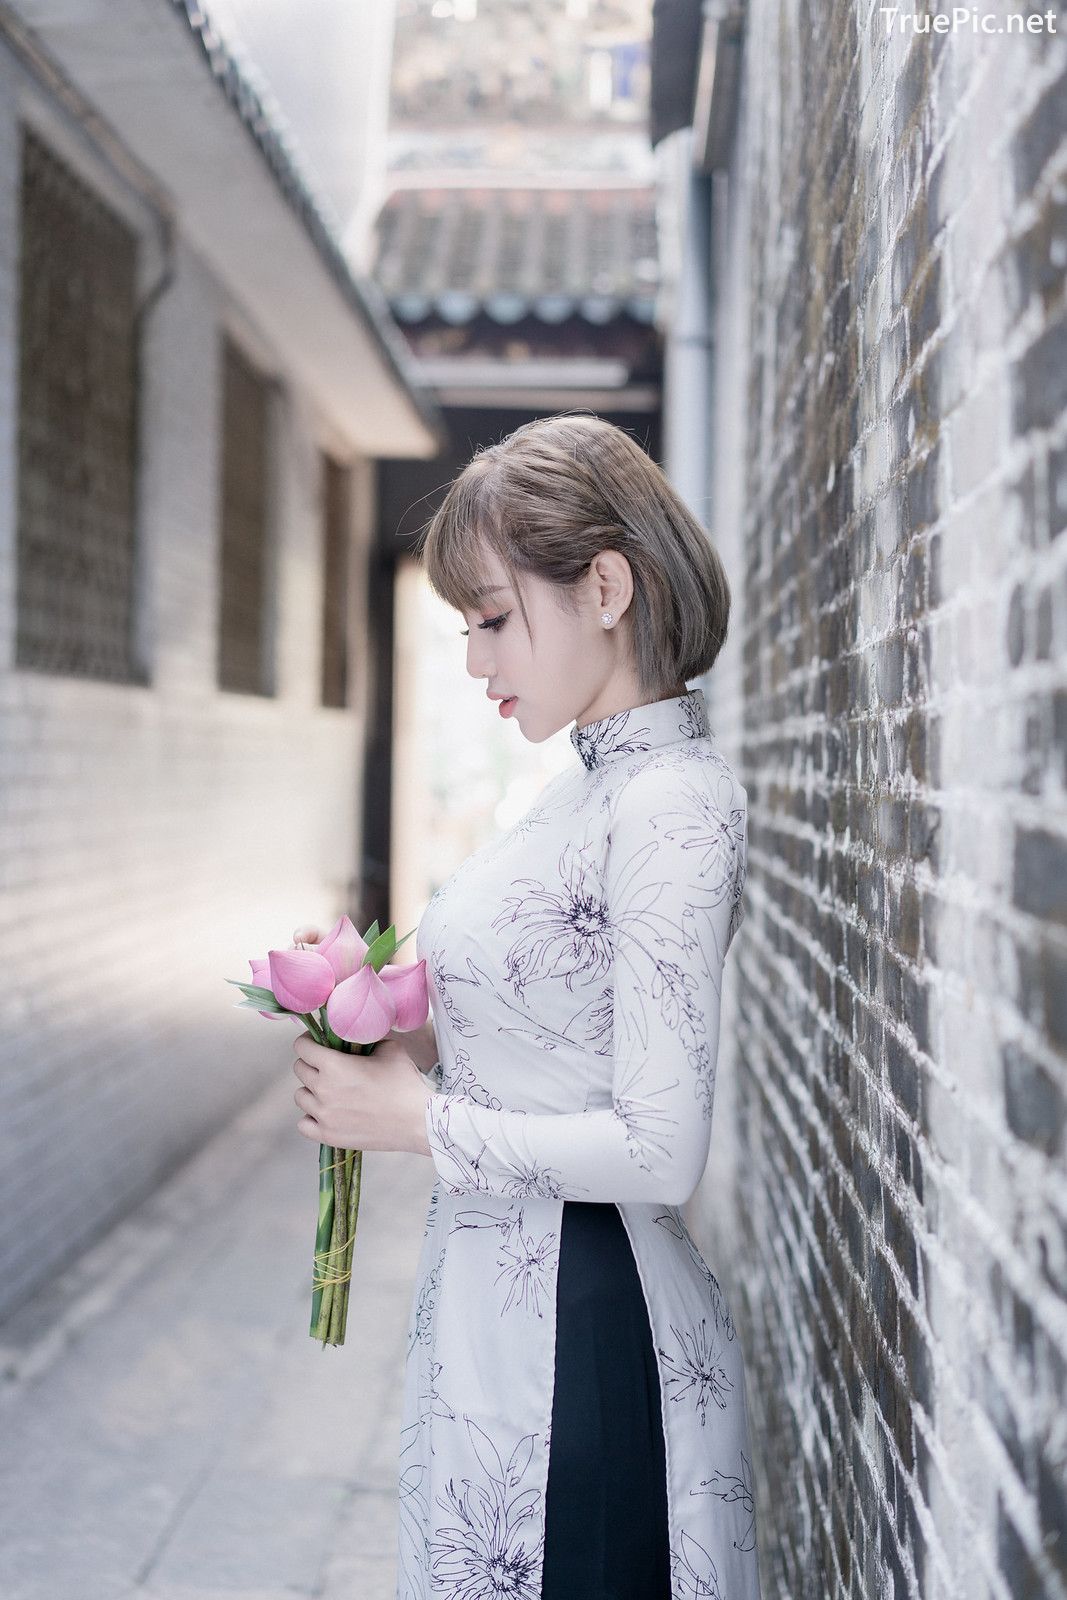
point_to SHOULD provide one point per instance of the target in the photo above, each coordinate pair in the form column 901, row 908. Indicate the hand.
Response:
column 354, row 1102
column 306, row 934
column 420, row 1044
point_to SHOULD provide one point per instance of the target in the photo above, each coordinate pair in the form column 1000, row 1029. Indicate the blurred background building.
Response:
column 507, row 210
column 517, row 245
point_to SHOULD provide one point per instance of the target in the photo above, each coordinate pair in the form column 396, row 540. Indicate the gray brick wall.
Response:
column 890, row 478
column 152, row 838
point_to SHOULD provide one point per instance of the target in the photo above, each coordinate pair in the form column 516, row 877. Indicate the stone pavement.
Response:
column 168, row 1428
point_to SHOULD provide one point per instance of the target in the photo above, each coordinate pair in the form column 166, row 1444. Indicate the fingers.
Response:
column 306, row 934
column 304, row 1051
column 305, row 1097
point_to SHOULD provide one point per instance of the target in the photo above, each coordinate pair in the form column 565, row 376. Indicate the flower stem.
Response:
column 340, row 1174
column 353, row 1170
column 338, row 1249
column 323, row 1291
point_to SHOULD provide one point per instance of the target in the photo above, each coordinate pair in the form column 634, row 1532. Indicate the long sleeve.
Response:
column 674, row 863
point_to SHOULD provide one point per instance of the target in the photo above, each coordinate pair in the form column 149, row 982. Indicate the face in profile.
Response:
column 552, row 674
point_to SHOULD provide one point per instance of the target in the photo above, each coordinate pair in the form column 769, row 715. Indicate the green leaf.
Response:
column 371, row 933
column 259, row 1005
column 254, row 991
column 381, row 950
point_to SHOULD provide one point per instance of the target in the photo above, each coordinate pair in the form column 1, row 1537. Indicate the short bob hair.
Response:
column 546, row 499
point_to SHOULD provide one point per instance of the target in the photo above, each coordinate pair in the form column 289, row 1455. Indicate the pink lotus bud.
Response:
column 407, row 985
column 301, row 980
column 361, row 1009
column 261, row 978
column 343, row 949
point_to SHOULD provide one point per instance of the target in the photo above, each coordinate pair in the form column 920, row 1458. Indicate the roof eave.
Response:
column 236, row 194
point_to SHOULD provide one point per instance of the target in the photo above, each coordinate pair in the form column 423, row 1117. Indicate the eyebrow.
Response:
column 496, row 588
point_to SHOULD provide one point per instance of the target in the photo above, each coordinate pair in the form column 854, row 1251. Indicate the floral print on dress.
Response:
column 488, row 1545
column 431, row 1403
column 735, row 1489
column 673, row 1221
column 461, row 1080
column 413, row 1548
column 697, row 1373
column 523, row 1023
column 639, row 728
column 527, row 1263
column 461, row 1169
column 565, row 932
column 431, row 1209
column 576, row 971
column 444, row 982
column 693, row 1572
column 421, row 1326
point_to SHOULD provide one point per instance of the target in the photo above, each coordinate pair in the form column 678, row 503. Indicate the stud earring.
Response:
column 607, row 619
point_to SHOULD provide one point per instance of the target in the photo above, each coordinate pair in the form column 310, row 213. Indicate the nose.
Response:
column 479, row 664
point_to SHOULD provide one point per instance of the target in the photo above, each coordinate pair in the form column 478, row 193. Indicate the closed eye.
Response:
column 491, row 622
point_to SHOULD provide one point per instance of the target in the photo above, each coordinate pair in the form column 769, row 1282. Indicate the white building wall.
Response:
column 154, row 838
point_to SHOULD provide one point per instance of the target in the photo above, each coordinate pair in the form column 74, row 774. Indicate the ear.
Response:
column 612, row 582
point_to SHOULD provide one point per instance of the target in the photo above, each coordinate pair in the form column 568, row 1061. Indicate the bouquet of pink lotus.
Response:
column 349, row 997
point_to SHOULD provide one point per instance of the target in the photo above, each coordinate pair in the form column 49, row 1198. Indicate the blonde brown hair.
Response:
column 546, row 499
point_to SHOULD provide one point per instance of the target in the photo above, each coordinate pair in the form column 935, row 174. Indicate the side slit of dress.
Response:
column 606, row 1523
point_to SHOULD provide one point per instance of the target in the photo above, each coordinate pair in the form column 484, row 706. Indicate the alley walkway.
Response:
column 169, row 1430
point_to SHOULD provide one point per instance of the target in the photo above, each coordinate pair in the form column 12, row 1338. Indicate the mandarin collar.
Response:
column 627, row 733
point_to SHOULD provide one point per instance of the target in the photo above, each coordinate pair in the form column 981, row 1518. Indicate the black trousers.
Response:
column 606, row 1526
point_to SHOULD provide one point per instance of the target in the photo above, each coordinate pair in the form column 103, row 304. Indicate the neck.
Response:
column 622, row 696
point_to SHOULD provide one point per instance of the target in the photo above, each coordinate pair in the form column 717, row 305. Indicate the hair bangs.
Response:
column 467, row 526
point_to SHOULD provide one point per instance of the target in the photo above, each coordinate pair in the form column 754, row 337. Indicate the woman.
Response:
column 575, row 1424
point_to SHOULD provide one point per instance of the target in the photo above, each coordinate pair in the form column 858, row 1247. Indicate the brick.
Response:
column 1035, row 1103
column 1057, row 478
column 1014, row 1560
column 1041, row 138
column 1040, row 380
column 1053, row 988
column 1040, row 874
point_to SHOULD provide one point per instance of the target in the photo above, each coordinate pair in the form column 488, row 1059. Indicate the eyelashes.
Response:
column 494, row 623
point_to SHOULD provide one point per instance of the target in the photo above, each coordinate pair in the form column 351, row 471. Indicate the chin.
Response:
column 537, row 735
